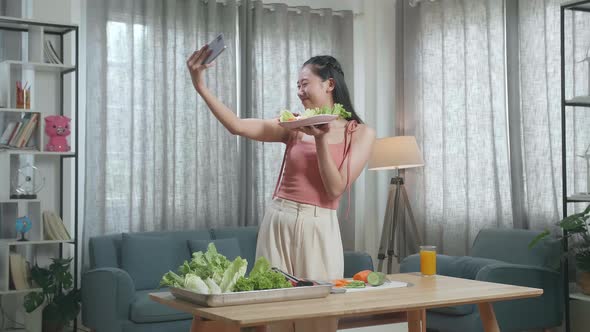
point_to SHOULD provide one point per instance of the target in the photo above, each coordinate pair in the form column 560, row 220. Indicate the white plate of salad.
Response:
column 312, row 117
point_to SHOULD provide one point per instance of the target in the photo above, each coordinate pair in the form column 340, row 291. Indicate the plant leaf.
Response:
column 538, row 238
column 33, row 300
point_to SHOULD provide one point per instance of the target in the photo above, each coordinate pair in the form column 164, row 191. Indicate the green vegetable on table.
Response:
column 212, row 273
column 376, row 278
column 338, row 109
column 207, row 273
column 355, row 284
column 262, row 277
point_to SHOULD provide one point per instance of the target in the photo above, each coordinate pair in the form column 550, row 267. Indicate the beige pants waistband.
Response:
column 303, row 208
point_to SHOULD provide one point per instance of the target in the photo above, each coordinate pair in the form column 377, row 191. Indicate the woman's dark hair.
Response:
column 326, row 67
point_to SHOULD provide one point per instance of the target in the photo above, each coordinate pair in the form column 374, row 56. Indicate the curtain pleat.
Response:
column 157, row 159
column 457, row 100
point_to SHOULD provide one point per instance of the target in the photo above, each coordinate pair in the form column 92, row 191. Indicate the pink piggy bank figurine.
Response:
column 57, row 127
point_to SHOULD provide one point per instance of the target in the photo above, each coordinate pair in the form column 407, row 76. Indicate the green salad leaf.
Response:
column 196, row 284
column 212, row 273
column 338, row 109
column 210, row 264
column 207, row 273
column 286, row 115
column 262, row 277
column 236, row 270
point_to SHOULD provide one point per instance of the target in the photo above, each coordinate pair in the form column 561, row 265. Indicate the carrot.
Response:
column 362, row 275
column 340, row 282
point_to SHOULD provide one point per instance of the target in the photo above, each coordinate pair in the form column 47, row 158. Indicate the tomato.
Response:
column 362, row 275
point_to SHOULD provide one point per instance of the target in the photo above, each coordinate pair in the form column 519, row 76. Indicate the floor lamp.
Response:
column 399, row 152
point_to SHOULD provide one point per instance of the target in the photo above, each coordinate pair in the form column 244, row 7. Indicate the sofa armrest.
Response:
column 537, row 312
column 106, row 296
column 355, row 261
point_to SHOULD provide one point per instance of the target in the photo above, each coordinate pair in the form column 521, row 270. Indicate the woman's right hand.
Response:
column 196, row 67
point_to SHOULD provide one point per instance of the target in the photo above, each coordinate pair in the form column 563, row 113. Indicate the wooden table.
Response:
column 361, row 308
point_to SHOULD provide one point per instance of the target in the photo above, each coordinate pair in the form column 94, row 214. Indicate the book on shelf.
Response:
column 17, row 134
column 50, row 53
column 8, row 132
column 19, row 272
column 53, row 227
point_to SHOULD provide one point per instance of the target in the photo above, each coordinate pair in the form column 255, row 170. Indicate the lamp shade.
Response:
column 395, row 153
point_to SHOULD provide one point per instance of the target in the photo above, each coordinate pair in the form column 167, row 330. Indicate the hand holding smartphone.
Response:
column 216, row 46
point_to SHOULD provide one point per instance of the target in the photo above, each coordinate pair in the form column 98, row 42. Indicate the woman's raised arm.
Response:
column 256, row 129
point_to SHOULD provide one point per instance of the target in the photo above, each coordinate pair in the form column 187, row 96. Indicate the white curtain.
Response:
column 455, row 105
column 481, row 169
column 540, row 91
column 156, row 158
column 377, row 101
column 283, row 38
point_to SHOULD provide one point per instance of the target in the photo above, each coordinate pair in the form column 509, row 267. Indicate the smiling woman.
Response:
column 300, row 232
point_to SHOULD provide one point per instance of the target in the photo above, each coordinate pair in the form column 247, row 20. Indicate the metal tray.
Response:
column 249, row 297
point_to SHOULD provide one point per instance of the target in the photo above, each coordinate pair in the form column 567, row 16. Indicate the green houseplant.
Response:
column 63, row 302
column 577, row 233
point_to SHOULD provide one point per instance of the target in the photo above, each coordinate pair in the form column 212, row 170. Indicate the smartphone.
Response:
column 217, row 46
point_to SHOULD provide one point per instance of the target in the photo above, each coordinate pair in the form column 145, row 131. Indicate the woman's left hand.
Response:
column 316, row 131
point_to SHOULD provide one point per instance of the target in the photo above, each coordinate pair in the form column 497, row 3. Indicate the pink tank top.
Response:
column 300, row 180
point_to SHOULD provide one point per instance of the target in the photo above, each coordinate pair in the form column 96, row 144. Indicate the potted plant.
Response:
column 577, row 233
column 62, row 301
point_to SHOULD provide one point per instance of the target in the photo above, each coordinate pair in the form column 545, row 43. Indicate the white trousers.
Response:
column 302, row 240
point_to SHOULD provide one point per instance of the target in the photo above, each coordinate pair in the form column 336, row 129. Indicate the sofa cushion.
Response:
column 515, row 249
column 458, row 310
column 464, row 267
column 356, row 261
column 105, row 251
column 467, row 267
column 147, row 258
column 145, row 310
column 229, row 248
column 246, row 236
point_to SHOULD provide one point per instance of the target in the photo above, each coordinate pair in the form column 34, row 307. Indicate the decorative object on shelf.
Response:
column 19, row 272
column 577, row 235
column 53, row 227
column 586, row 157
column 61, row 298
column 23, row 225
column 398, row 233
column 27, row 182
column 57, row 127
column 50, row 53
column 23, row 95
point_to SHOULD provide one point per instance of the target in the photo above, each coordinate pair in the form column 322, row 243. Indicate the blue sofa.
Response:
column 502, row 256
column 125, row 268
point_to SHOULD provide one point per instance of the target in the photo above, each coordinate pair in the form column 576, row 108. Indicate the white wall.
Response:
column 54, row 10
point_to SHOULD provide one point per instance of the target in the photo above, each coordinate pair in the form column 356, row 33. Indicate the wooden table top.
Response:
column 424, row 293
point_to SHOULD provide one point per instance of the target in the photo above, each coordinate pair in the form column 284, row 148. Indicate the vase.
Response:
column 51, row 326
column 584, row 282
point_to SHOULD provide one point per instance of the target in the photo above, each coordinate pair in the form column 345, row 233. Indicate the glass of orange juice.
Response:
column 428, row 260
